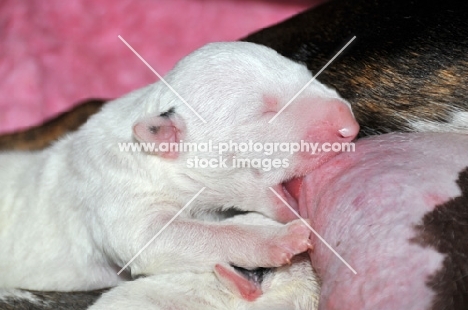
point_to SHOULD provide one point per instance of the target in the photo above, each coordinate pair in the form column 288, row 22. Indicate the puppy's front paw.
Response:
column 294, row 240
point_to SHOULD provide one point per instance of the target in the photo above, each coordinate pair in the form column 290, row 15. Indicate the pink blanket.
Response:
column 56, row 53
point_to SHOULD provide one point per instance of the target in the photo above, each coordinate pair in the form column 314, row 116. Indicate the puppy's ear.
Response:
column 160, row 131
column 236, row 283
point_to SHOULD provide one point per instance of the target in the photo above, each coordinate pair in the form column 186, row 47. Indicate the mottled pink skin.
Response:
column 365, row 204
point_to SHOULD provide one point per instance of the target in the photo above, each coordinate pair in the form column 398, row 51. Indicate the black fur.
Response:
column 446, row 230
column 168, row 113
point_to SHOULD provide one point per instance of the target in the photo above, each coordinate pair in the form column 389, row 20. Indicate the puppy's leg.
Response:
column 194, row 245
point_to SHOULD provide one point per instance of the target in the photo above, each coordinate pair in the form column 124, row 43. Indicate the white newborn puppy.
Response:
column 74, row 214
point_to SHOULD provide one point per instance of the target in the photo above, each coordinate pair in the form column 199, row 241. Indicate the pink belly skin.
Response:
column 367, row 204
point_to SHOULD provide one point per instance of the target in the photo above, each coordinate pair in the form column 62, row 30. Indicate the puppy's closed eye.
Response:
column 168, row 113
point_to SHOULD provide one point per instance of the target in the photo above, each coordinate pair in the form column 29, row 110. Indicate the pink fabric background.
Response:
column 55, row 53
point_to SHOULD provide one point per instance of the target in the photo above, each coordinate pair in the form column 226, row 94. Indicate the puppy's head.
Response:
column 251, row 107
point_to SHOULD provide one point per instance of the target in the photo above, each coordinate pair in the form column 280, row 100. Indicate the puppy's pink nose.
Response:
column 343, row 119
column 332, row 121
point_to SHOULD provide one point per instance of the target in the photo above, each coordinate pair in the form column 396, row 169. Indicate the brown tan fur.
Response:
column 41, row 136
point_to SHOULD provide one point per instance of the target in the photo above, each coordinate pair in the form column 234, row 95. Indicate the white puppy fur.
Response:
column 75, row 213
column 293, row 287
